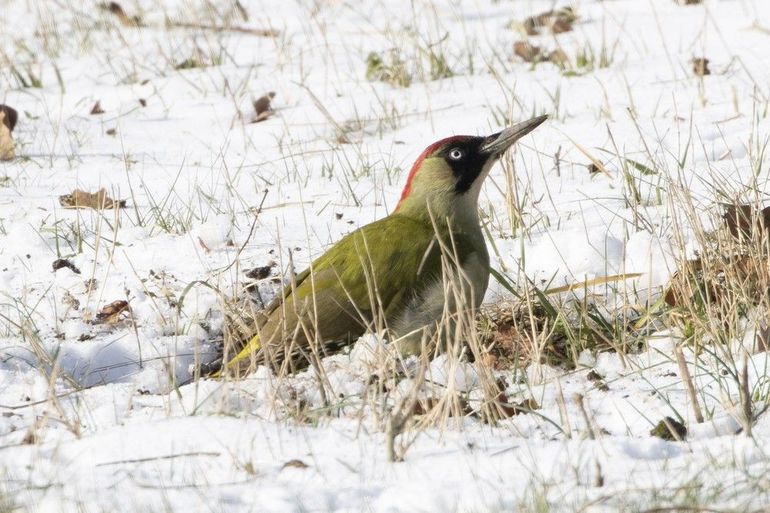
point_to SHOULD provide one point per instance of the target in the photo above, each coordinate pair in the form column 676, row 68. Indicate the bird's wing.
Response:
column 373, row 271
column 369, row 272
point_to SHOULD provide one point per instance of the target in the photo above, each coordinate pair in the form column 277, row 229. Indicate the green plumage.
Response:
column 349, row 294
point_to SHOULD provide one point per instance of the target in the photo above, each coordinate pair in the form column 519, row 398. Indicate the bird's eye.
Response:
column 456, row 154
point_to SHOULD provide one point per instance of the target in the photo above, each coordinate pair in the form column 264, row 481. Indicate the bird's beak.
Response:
column 496, row 144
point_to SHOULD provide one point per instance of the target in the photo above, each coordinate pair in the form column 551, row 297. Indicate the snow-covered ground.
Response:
column 91, row 417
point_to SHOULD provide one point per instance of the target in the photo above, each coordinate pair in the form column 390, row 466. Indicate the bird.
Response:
column 405, row 274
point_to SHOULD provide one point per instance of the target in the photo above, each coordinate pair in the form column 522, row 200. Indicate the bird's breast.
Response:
column 449, row 293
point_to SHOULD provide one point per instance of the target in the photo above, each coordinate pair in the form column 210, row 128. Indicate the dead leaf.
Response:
column 557, row 20
column 110, row 314
column 97, row 200
column 561, row 25
column 263, row 108
column 746, row 221
column 294, row 464
column 558, row 57
column 117, row 10
column 61, row 263
column 424, row 405
column 242, row 10
column 90, row 285
column 669, row 429
column 31, row 437
column 700, row 66
column 11, row 116
column 7, row 151
column 680, row 291
column 527, row 52
column 259, row 273
column 699, row 283
column 70, row 300
column 502, row 408
column 598, row 380
column 96, row 109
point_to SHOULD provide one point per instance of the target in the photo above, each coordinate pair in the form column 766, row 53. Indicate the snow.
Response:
column 123, row 425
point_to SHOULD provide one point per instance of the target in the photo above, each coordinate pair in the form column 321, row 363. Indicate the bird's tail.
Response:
column 241, row 362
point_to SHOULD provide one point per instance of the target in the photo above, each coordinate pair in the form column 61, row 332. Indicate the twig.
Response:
column 578, row 400
column 689, row 385
column 562, row 403
column 745, row 396
column 156, row 458
column 216, row 28
column 401, row 414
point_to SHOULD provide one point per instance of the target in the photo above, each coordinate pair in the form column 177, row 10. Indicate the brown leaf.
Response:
column 294, row 464
column 262, row 107
column 110, row 314
column 558, row 57
column 70, row 300
column 527, row 51
column 669, row 429
column 708, row 283
column 424, row 405
column 259, row 273
column 242, row 10
column 6, row 141
column 31, row 437
column 97, row 200
column 700, row 66
column 526, row 406
column 11, row 116
column 680, row 287
column 746, row 222
column 96, row 109
column 90, row 285
column 558, row 20
column 117, row 10
column 61, row 263
column 561, row 25
column 598, row 379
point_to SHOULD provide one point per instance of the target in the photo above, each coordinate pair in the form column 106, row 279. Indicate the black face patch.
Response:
column 466, row 161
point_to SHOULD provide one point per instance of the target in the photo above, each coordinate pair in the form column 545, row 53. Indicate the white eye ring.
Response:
column 456, row 154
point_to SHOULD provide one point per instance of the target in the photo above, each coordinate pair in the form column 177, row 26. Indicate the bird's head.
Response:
column 446, row 178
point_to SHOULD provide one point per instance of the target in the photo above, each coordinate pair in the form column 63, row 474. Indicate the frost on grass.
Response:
column 108, row 313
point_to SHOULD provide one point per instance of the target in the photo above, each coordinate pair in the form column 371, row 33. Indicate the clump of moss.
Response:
column 669, row 429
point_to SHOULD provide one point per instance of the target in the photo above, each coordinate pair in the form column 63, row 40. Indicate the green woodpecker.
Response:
column 406, row 273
